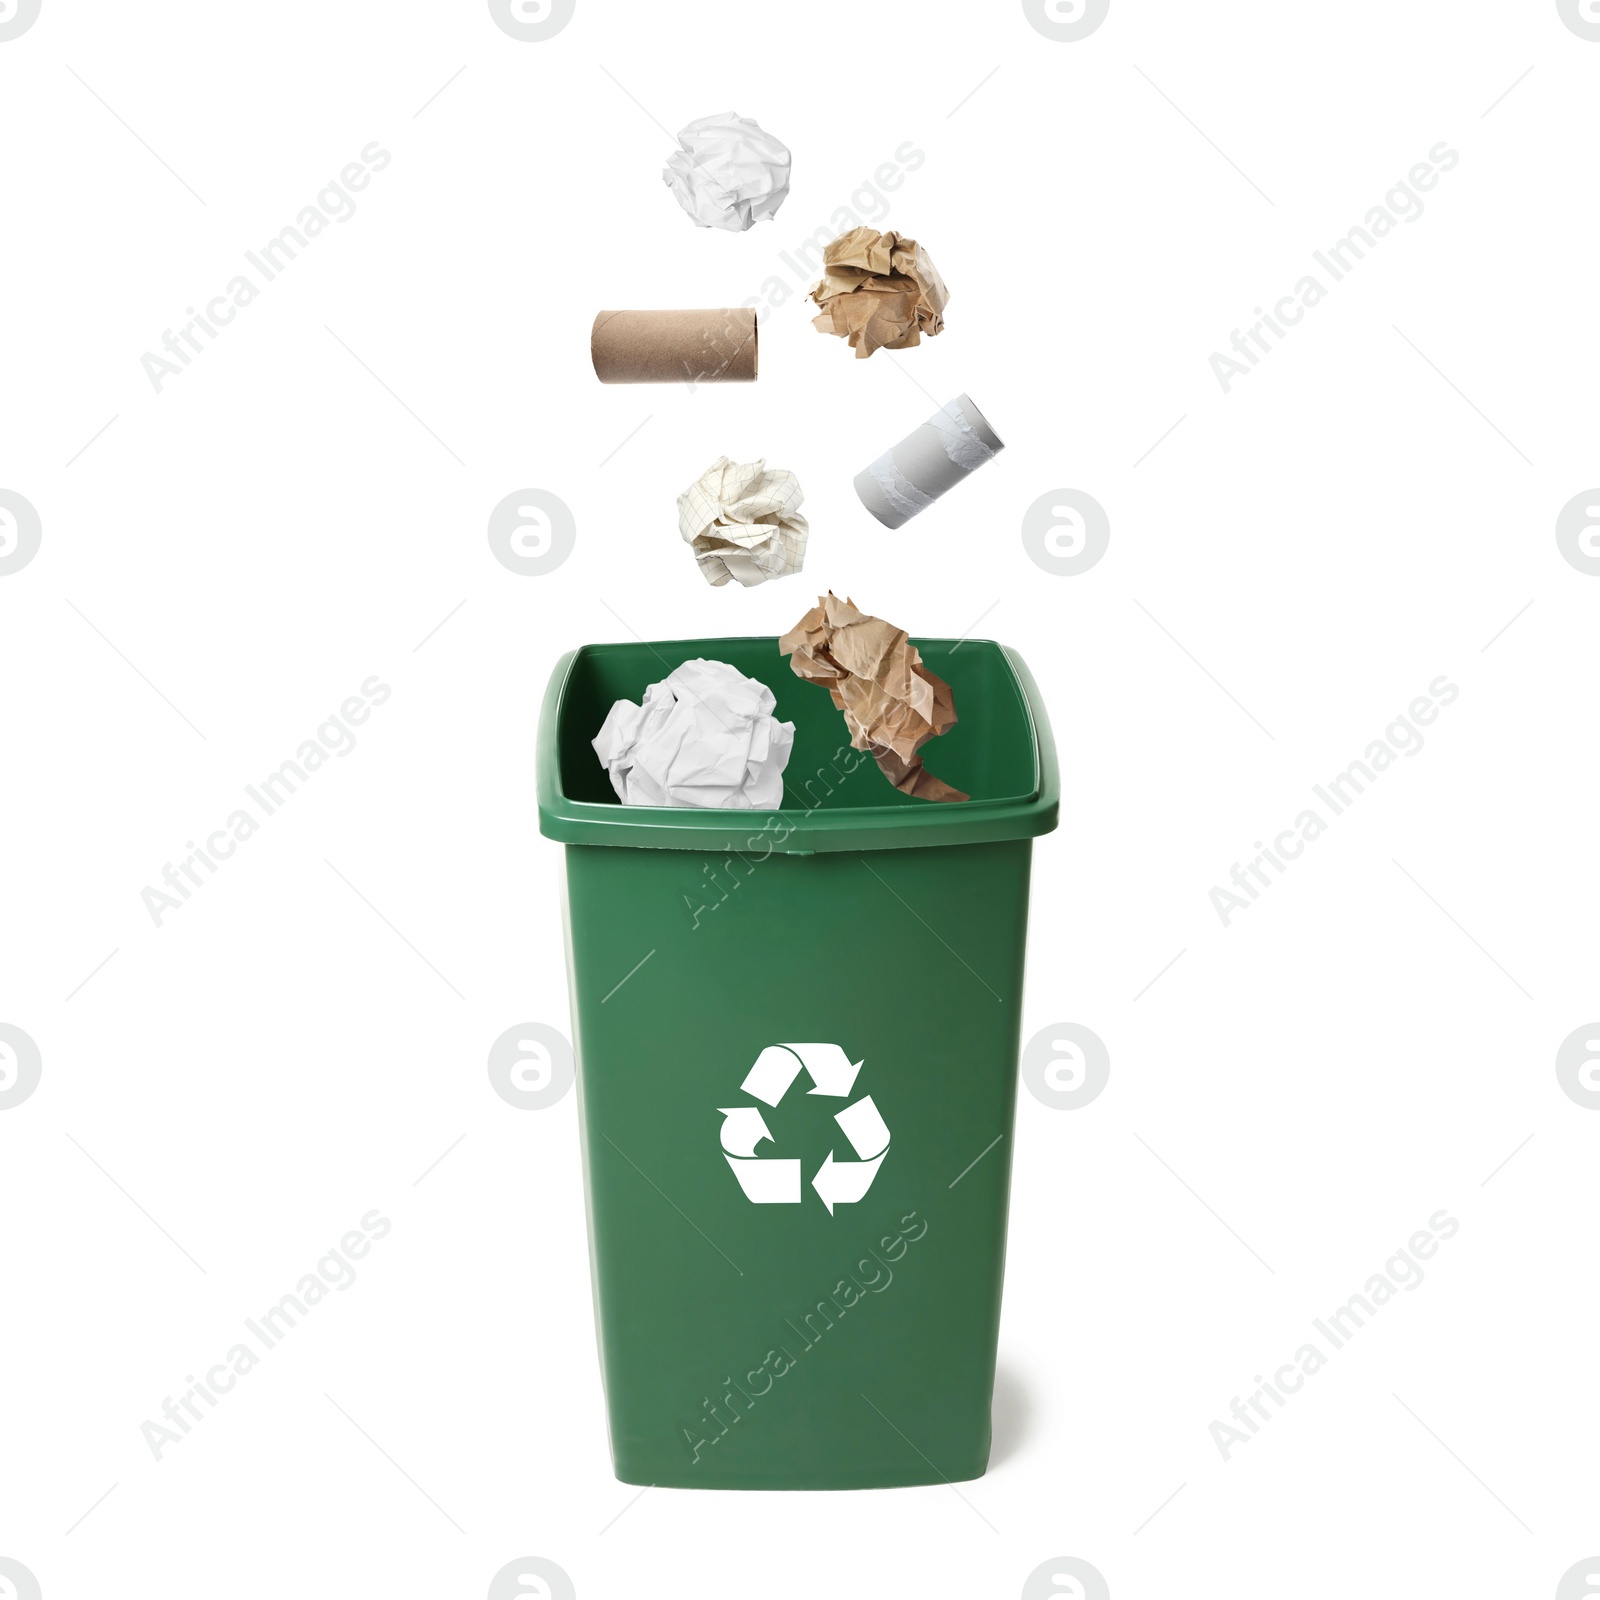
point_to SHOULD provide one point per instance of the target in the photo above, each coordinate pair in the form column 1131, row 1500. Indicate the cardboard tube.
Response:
column 953, row 443
column 674, row 346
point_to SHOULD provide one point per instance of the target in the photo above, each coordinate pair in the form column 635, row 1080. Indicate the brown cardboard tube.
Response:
column 716, row 346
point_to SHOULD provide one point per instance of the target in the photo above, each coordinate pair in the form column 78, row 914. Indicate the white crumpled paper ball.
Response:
column 705, row 736
column 744, row 522
column 728, row 172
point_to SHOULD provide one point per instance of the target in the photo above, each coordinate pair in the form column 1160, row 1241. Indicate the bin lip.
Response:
column 794, row 830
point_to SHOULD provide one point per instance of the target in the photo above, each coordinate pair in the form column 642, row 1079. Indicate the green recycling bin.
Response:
column 796, row 1035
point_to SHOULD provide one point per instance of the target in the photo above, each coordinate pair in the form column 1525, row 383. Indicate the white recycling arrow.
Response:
column 764, row 1182
column 776, row 1068
column 829, row 1068
column 744, row 1129
column 768, row 1183
column 774, row 1181
column 864, row 1127
column 842, row 1182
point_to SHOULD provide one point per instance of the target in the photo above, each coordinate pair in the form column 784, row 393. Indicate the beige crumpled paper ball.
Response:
column 743, row 522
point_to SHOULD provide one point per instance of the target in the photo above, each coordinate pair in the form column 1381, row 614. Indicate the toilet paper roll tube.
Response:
column 716, row 346
column 953, row 443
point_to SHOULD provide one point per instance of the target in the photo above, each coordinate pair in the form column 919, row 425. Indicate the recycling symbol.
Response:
column 773, row 1180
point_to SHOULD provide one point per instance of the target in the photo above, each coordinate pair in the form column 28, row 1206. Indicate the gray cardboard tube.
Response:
column 949, row 446
column 716, row 346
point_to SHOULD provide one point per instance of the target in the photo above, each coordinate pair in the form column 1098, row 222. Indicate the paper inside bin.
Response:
column 892, row 704
column 704, row 736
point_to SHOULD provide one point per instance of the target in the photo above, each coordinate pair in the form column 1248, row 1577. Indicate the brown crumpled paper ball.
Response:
column 892, row 704
column 880, row 291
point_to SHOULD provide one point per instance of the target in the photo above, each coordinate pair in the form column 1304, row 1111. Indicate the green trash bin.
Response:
column 796, row 1035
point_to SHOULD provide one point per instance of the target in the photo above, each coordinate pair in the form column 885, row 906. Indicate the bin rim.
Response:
column 794, row 830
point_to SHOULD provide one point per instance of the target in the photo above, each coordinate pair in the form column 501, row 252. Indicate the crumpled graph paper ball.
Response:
column 728, row 172
column 744, row 522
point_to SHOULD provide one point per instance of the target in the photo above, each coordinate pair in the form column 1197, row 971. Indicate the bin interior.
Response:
column 990, row 752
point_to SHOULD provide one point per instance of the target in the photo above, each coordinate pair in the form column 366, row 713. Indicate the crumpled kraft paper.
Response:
column 892, row 704
column 728, row 173
column 744, row 522
column 705, row 736
column 880, row 291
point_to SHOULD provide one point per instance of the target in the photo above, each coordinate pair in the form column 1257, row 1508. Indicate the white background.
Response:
column 229, row 559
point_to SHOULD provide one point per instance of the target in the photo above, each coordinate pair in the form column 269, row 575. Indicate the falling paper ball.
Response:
column 728, row 173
